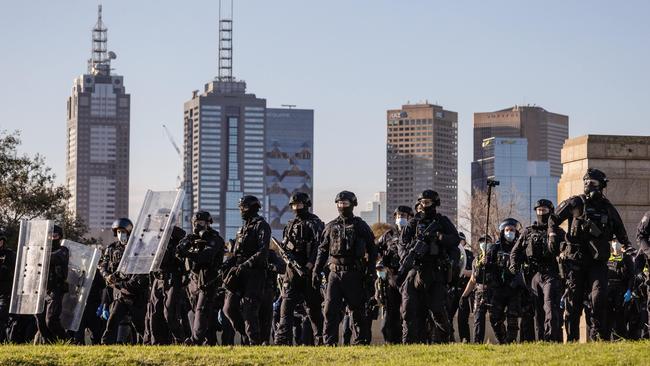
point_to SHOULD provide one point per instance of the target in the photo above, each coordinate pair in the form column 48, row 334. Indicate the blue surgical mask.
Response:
column 401, row 222
column 510, row 236
column 381, row 274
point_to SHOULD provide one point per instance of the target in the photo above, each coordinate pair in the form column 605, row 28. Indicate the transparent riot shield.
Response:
column 148, row 241
column 81, row 272
column 32, row 267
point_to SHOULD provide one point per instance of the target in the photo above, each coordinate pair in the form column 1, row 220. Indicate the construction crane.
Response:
column 171, row 139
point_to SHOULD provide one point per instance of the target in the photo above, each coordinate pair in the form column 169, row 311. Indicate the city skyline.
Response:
column 593, row 67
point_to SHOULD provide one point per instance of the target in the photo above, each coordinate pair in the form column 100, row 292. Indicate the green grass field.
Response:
column 619, row 353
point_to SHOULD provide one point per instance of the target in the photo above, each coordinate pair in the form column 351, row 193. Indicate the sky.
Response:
column 350, row 61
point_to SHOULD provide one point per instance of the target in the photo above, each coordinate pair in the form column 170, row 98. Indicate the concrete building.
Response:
column 97, row 150
column 626, row 162
column 289, row 162
column 375, row 210
column 422, row 153
column 544, row 130
column 522, row 181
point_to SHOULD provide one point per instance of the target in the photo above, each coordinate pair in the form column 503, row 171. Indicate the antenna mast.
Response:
column 225, row 41
column 100, row 58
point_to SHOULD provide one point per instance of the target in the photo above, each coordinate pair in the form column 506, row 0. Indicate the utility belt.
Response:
column 345, row 267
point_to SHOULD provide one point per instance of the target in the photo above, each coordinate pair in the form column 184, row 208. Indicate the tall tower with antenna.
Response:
column 98, row 131
column 225, row 41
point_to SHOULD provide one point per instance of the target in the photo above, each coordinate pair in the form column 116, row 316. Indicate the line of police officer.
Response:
column 538, row 277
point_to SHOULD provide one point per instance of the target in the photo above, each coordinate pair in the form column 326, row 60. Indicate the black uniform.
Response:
column 202, row 254
column 301, row 238
column 276, row 267
column 7, row 265
column 242, row 304
column 536, row 256
column 163, row 310
column 345, row 243
column 643, row 238
column 620, row 277
column 49, row 321
column 91, row 317
column 504, row 288
column 129, row 293
column 425, row 286
column 456, row 304
column 593, row 223
column 390, row 246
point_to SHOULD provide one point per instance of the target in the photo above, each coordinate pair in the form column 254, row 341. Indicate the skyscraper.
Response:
column 97, row 151
column 375, row 210
column 422, row 153
column 522, row 181
column 544, row 130
column 224, row 144
column 289, row 161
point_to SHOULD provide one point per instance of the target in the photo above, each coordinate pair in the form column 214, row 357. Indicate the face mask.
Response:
column 510, row 236
column 345, row 211
column 483, row 247
column 122, row 237
column 198, row 229
column 381, row 274
column 543, row 219
column 401, row 222
column 592, row 190
column 56, row 243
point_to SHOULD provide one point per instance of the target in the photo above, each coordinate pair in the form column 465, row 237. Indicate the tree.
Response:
column 379, row 228
column 28, row 191
column 474, row 211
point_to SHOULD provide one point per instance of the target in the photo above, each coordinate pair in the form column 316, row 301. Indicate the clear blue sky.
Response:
column 348, row 60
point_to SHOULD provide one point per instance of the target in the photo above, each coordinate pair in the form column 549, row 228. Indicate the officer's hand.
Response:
column 628, row 296
column 110, row 280
column 462, row 302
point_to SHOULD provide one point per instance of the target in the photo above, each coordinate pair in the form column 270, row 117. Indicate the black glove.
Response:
column 315, row 279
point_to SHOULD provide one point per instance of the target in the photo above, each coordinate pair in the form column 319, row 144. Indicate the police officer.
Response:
column 129, row 291
column 593, row 222
column 620, row 276
column 643, row 238
column 48, row 322
column 504, row 287
column 429, row 238
column 251, row 249
column 456, row 302
column 202, row 252
column 7, row 265
column 163, row 310
column 536, row 255
column 477, row 287
column 387, row 291
column 346, row 241
column 300, row 238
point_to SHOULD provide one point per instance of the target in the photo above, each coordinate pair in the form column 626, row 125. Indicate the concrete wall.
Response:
column 626, row 162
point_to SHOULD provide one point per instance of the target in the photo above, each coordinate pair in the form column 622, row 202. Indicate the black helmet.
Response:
column 122, row 223
column 544, row 203
column 403, row 209
column 346, row 195
column 300, row 197
column 593, row 173
column 57, row 230
column 510, row 222
column 250, row 202
column 483, row 237
column 430, row 195
column 202, row 215
column 461, row 235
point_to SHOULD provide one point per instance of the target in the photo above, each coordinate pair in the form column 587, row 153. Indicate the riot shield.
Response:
column 32, row 267
column 148, row 241
column 81, row 272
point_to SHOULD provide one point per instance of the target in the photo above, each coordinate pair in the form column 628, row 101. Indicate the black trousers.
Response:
column 505, row 306
column 48, row 322
column 424, row 292
column 546, row 290
column 345, row 286
column 163, row 311
column 202, row 323
column 92, row 322
column 587, row 278
column 4, row 316
column 391, row 325
column 297, row 290
column 120, row 309
column 243, row 308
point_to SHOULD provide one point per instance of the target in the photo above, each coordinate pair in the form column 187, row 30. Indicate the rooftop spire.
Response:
column 225, row 41
column 100, row 60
